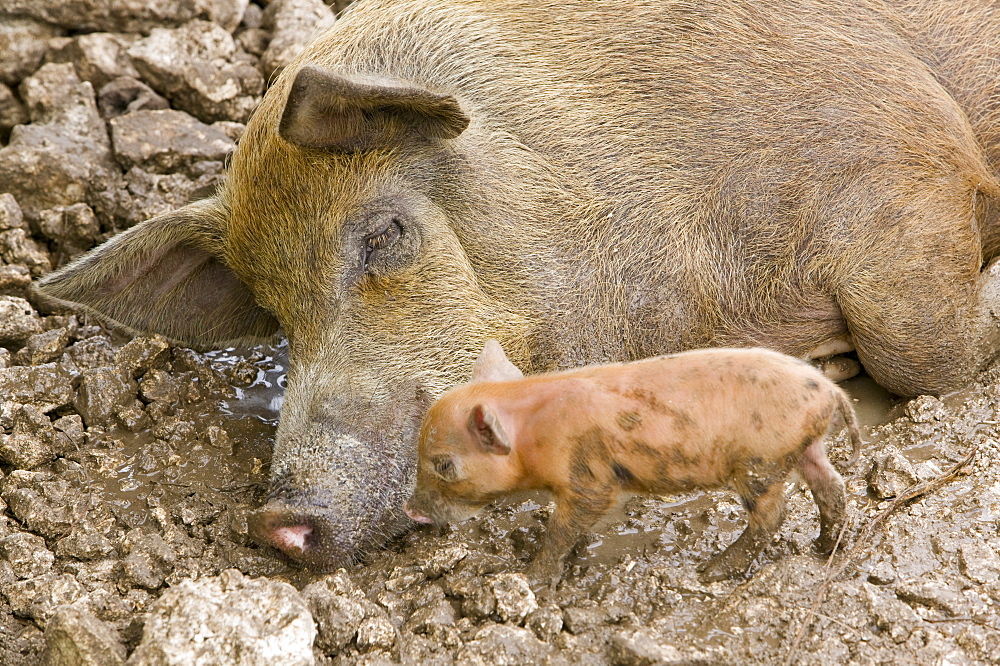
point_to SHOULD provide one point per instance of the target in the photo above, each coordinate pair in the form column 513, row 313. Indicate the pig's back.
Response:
column 628, row 97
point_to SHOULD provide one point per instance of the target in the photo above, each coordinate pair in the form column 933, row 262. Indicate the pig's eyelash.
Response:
column 381, row 239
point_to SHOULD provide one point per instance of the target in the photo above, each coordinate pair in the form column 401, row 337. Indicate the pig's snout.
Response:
column 415, row 516
column 296, row 533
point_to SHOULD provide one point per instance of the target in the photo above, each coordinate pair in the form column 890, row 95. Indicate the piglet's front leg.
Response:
column 575, row 513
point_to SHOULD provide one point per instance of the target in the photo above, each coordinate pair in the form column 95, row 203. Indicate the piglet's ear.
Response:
column 351, row 113
column 493, row 365
column 486, row 428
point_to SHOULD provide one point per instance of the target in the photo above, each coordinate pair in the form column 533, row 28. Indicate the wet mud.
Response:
column 128, row 467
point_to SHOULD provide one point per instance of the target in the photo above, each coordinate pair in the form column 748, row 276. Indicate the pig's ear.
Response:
column 493, row 365
column 356, row 113
column 164, row 276
column 486, row 428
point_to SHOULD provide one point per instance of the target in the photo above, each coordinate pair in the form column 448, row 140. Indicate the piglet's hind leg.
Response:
column 828, row 491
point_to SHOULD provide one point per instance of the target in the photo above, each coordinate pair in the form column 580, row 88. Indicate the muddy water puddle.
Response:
column 221, row 444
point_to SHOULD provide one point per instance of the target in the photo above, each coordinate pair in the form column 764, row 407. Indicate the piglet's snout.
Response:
column 416, row 517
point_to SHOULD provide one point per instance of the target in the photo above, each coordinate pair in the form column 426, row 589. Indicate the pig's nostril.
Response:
column 291, row 537
column 416, row 517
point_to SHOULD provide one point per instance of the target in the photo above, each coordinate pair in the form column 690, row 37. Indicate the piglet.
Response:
column 703, row 419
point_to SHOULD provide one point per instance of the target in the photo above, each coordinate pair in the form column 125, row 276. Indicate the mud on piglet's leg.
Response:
column 575, row 513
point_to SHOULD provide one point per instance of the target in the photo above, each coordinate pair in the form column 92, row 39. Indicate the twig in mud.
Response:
column 910, row 494
column 836, row 621
column 965, row 618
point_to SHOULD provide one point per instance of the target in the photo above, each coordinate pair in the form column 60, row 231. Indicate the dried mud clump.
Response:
column 127, row 466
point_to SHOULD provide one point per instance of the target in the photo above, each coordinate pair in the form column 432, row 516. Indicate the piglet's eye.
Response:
column 444, row 468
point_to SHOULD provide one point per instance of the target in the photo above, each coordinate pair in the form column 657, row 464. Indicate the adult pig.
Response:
column 584, row 181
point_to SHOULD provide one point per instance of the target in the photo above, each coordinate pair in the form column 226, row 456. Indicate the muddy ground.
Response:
column 127, row 467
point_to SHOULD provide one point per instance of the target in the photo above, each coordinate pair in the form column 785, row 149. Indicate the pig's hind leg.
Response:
column 923, row 317
column 828, row 491
column 763, row 495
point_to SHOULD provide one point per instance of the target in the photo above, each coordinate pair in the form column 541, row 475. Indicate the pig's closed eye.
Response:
column 380, row 240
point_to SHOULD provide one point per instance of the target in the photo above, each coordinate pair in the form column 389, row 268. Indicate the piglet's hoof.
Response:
column 718, row 568
column 825, row 546
column 543, row 577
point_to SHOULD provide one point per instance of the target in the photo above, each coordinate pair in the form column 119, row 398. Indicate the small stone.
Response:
column 24, row 451
column 252, row 17
column 83, row 544
column 166, row 141
column 14, row 281
column 242, row 373
column 979, row 562
column 376, row 633
column 231, row 129
column 194, row 66
column 209, row 620
column 91, row 353
column 148, row 560
column 142, row 354
column 882, row 573
column 429, row 617
column 293, row 24
column 43, row 347
column 12, row 111
column 253, row 40
column 444, row 560
column 926, row 409
column 127, row 15
column 338, row 609
column 514, row 598
column 933, row 595
column 23, row 42
column 152, row 194
column 219, row 439
column 27, row 554
column 403, row 578
column 45, row 386
column 478, row 602
column 503, row 644
column 71, row 434
column 891, row 615
column 577, row 620
column 642, row 647
column 73, row 229
column 11, row 216
column 158, row 385
column 18, row 320
column 18, row 247
column 102, row 392
column 98, row 57
column 126, row 95
column 891, row 474
column 74, row 637
column 546, row 622
column 133, row 417
column 63, row 156
column 40, row 597
column 48, row 504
